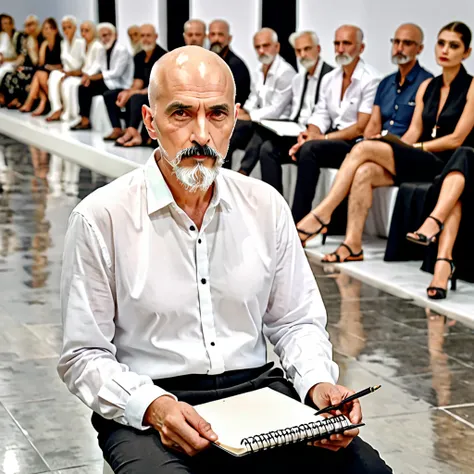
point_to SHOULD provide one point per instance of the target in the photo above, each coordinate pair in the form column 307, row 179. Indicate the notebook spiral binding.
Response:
column 295, row 434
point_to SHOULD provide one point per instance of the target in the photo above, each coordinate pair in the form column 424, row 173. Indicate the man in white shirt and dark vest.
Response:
column 341, row 115
column 270, row 94
column 173, row 275
column 306, row 89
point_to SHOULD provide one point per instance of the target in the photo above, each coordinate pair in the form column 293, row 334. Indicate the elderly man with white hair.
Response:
column 72, row 59
column 194, row 32
column 270, row 93
column 115, row 72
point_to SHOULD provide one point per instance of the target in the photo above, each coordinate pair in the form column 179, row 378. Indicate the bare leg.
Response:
column 32, row 95
column 43, row 81
column 442, row 269
column 367, row 177
column 42, row 105
column 451, row 190
column 367, row 151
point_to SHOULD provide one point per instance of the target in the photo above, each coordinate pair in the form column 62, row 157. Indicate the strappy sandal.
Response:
column 441, row 293
column 352, row 257
column 310, row 235
column 423, row 239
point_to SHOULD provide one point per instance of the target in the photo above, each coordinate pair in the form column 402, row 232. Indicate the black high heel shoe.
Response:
column 310, row 235
column 423, row 239
column 441, row 293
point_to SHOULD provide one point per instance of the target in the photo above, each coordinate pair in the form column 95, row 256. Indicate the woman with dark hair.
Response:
column 49, row 60
column 442, row 122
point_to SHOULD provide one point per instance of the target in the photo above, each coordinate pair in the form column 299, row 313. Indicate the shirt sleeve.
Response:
column 378, row 94
column 88, row 363
column 138, row 67
column 320, row 116
column 74, row 57
column 295, row 319
column 119, row 67
column 368, row 95
column 281, row 98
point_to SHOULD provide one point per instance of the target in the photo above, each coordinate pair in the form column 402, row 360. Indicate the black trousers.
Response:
column 133, row 108
column 241, row 137
column 312, row 156
column 86, row 94
column 129, row 451
column 274, row 153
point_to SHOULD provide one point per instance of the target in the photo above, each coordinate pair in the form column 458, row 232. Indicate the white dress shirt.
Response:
column 270, row 98
column 331, row 112
column 7, row 46
column 72, row 54
column 309, row 98
column 91, row 58
column 145, row 295
column 120, row 73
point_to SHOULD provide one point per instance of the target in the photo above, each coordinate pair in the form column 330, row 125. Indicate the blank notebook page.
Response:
column 253, row 413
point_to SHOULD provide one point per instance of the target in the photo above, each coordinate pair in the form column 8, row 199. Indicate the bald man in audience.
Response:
column 134, row 98
column 194, row 32
column 270, row 94
column 220, row 39
column 134, row 37
column 161, row 314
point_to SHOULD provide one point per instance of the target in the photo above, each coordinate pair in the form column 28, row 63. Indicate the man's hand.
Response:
column 181, row 428
column 123, row 98
column 326, row 394
column 243, row 115
column 302, row 137
column 85, row 80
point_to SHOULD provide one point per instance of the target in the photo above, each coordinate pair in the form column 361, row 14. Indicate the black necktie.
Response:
column 306, row 80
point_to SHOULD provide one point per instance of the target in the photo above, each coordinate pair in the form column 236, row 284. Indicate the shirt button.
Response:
column 199, row 241
column 213, row 344
column 391, row 122
column 192, row 228
column 203, row 281
column 396, row 107
column 398, row 91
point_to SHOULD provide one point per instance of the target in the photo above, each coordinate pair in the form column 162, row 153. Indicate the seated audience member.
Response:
column 115, row 73
column 140, row 350
column 14, row 86
column 137, row 96
column 306, row 87
column 339, row 119
column 392, row 112
column 219, row 40
column 194, row 32
column 70, row 84
column 134, row 37
column 72, row 58
column 8, row 45
column 443, row 121
column 270, row 93
column 49, row 60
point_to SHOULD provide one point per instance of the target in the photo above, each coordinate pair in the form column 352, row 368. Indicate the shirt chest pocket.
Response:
column 405, row 113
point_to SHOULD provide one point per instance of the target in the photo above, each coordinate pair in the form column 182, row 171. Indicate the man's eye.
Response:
column 219, row 114
column 180, row 113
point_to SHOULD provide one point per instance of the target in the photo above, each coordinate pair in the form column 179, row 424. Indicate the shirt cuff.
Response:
column 255, row 115
column 139, row 402
column 304, row 384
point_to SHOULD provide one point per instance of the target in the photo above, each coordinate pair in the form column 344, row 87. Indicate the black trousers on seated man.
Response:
column 312, row 156
column 129, row 451
column 133, row 108
column 243, row 132
column 86, row 94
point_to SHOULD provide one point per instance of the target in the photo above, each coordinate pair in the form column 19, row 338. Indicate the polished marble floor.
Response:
column 421, row 421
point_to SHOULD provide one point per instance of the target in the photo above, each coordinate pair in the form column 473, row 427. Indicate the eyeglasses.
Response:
column 398, row 42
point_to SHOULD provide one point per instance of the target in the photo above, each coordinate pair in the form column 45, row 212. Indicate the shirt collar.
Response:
column 411, row 75
column 159, row 196
column 274, row 66
column 318, row 68
column 359, row 70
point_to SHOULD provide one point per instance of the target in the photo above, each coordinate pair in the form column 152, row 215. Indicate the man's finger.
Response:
column 355, row 412
column 176, row 442
column 199, row 423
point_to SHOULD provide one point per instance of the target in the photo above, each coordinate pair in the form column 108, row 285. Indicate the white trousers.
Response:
column 4, row 68
column 64, row 95
column 63, row 172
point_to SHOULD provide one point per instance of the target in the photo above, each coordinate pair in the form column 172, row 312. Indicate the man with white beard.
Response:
column 270, row 93
column 134, row 98
column 172, row 276
column 116, row 72
column 339, row 119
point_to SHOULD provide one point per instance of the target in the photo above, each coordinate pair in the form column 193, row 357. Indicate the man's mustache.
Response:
column 198, row 150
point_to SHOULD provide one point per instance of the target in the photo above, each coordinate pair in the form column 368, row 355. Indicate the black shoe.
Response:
column 310, row 235
column 423, row 239
column 441, row 293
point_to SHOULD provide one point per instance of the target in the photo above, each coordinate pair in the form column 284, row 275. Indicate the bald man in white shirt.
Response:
column 159, row 300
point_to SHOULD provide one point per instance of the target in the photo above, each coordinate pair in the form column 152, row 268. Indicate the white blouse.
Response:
column 91, row 58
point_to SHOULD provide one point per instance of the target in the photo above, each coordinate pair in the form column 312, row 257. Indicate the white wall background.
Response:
column 20, row 9
column 138, row 12
column 379, row 20
column 243, row 17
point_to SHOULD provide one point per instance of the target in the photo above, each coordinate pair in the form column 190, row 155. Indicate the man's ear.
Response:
column 230, row 39
column 148, row 121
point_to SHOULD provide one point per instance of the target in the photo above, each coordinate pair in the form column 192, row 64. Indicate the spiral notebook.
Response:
column 266, row 419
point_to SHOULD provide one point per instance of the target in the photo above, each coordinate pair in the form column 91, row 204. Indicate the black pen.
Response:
column 360, row 394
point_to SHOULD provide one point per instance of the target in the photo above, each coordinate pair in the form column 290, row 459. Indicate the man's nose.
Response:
column 201, row 131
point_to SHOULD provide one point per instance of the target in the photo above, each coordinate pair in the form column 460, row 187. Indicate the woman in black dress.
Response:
column 443, row 121
column 49, row 59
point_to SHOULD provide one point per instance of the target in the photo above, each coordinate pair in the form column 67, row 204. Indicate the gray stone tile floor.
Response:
column 421, row 421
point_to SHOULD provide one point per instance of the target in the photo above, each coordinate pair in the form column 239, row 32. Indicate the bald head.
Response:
column 414, row 31
column 190, row 68
column 353, row 31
